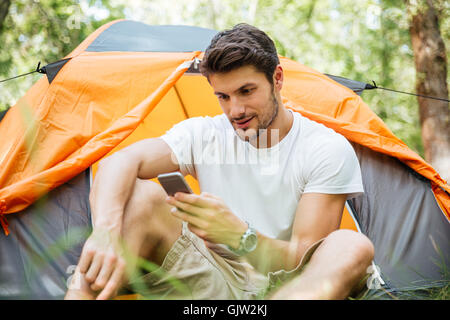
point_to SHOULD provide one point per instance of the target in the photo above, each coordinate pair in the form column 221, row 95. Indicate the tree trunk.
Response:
column 431, row 79
column 4, row 8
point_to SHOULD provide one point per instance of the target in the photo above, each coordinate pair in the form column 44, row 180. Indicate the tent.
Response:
column 128, row 81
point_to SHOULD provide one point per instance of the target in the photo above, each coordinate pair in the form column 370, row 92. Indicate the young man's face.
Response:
column 247, row 98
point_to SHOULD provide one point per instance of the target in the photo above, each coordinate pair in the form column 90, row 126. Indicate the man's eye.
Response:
column 246, row 91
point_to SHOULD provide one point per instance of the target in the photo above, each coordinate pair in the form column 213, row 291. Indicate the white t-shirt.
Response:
column 263, row 186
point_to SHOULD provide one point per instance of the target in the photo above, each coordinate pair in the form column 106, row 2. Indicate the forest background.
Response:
column 399, row 44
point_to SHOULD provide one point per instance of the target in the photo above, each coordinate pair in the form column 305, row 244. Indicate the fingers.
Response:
column 85, row 260
column 193, row 220
column 108, row 277
column 94, row 268
column 197, row 200
column 199, row 232
column 186, row 207
column 114, row 282
column 100, row 259
column 104, row 274
column 210, row 195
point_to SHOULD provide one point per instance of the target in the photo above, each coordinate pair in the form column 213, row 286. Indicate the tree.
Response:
column 46, row 31
column 362, row 40
column 431, row 79
column 4, row 7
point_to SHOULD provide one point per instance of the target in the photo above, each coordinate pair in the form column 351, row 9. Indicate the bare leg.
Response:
column 336, row 267
column 149, row 231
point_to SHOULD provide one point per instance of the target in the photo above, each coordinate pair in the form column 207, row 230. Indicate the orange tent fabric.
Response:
column 100, row 102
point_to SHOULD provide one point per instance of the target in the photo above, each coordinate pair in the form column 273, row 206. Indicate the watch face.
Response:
column 250, row 242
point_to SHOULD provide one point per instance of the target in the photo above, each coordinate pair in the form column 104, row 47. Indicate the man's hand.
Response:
column 208, row 217
column 102, row 263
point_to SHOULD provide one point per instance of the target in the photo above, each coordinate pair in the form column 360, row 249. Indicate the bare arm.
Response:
column 117, row 175
column 102, row 263
column 211, row 219
column 317, row 215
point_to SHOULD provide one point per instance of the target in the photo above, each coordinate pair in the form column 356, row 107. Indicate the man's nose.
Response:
column 237, row 109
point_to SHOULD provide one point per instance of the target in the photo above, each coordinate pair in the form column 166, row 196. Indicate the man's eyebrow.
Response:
column 239, row 89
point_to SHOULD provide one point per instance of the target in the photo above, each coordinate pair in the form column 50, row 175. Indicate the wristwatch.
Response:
column 248, row 242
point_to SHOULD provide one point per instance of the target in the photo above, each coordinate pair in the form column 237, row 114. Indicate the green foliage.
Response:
column 440, row 293
column 46, row 31
column 363, row 40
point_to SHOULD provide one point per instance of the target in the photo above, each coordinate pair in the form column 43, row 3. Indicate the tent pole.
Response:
column 181, row 101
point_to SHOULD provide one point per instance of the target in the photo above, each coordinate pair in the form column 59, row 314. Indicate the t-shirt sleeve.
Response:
column 181, row 139
column 334, row 169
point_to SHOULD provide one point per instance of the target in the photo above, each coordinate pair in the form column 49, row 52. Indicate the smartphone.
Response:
column 174, row 182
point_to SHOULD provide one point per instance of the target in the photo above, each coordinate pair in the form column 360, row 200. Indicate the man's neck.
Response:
column 276, row 132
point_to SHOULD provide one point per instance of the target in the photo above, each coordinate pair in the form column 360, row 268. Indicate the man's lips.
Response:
column 244, row 123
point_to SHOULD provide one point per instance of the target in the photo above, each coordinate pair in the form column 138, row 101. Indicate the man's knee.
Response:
column 147, row 197
column 355, row 247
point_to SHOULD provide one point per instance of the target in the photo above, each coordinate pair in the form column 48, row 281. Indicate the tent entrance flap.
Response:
column 89, row 136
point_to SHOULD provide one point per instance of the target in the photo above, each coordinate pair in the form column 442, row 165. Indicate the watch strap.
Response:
column 241, row 250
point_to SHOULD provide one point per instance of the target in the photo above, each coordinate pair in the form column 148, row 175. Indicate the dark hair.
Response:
column 240, row 46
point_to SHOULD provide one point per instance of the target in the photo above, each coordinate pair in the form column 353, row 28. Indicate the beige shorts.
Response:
column 191, row 270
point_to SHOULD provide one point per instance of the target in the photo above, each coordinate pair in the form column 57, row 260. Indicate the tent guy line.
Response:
column 368, row 86
column 38, row 69
column 413, row 94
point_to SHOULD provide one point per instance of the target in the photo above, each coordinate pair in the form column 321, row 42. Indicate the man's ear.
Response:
column 278, row 77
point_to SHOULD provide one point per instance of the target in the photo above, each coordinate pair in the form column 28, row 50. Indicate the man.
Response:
column 257, row 223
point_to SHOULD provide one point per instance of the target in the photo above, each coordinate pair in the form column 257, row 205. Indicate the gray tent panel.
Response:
column 357, row 86
column 399, row 213
column 140, row 37
column 52, row 69
column 45, row 242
